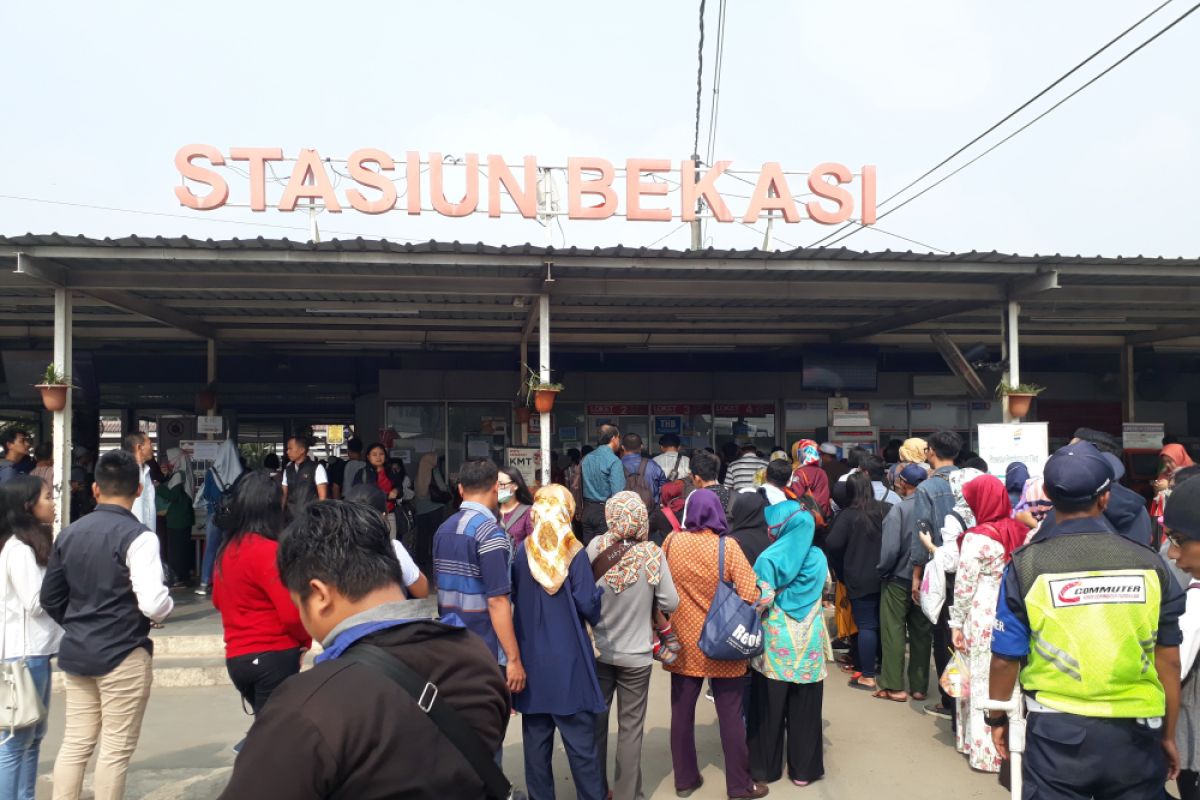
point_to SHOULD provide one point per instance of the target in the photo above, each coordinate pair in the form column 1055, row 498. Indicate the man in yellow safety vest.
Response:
column 1089, row 621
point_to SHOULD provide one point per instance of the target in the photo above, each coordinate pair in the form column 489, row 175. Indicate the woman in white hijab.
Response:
column 219, row 478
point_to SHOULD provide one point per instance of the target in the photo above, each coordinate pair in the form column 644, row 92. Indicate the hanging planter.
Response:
column 543, row 393
column 523, row 414
column 543, row 398
column 54, row 388
column 1019, row 398
column 206, row 399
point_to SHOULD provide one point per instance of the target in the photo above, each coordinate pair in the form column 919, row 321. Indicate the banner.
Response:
column 1003, row 444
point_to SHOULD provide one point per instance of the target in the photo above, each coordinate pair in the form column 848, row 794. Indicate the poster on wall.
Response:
column 668, row 425
column 1002, row 444
column 526, row 460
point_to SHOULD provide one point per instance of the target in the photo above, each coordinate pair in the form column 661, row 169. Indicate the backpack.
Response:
column 636, row 482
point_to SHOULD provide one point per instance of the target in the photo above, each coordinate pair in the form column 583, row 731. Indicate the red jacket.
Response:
column 256, row 609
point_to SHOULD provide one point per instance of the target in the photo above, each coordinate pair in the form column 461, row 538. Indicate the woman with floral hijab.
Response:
column 553, row 594
column 807, row 475
column 637, row 583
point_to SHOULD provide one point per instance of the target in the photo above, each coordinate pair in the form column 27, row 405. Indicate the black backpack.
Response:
column 636, row 482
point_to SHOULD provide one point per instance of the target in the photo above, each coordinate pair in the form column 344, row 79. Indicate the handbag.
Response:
column 732, row 630
column 20, row 702
column 441, row 714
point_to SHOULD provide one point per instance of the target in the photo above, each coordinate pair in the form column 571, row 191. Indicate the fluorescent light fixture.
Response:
column 1071, row 318
column 396, row 312
column 689, row 347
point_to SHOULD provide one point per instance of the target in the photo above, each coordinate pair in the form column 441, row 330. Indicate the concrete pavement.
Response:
column 873, row 748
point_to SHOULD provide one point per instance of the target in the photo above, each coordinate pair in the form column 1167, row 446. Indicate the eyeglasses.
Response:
column 507, row 485
column 1176, row 539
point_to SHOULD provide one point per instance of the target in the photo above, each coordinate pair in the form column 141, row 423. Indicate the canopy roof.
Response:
column 378, row 294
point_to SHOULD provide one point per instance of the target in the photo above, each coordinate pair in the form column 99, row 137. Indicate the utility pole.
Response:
column 697, row 229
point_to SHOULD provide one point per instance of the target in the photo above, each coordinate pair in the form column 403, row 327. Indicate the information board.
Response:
column 527, row 461
column 1002, row 444
column 1142, row 435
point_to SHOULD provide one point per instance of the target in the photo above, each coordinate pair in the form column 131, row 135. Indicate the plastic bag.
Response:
column 956, row 678
column 933, row 590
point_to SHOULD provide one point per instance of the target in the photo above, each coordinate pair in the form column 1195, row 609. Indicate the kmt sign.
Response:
column 594, row 191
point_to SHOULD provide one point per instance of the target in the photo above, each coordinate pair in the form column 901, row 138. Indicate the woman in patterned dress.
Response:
column 692, row 555
column 787, row 682
column 984, row 552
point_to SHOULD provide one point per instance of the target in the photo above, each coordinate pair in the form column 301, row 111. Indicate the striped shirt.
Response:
column 470, row 561
column 742, row 472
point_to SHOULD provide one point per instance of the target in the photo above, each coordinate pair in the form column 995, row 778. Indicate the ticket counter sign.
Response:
column 1003, row 444
column 1142, row 435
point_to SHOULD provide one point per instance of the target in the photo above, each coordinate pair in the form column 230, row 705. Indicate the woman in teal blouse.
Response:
column 787, row 680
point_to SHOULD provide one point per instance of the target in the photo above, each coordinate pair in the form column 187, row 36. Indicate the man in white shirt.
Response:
column 105, row 606
column 304, row 480
column 674, row 464
column 138, row 445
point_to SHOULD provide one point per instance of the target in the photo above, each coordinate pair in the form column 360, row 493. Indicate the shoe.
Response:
column 759, row 790
column 202, row 590
column 939, row 711
column 689, row 792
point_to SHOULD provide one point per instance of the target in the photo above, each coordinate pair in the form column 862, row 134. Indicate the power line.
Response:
column 1019, row 109
column 192, row 218
column 947, row 177
column 715, row 105
column 699, row 82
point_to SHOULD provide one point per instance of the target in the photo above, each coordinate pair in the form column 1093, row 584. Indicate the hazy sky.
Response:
column 99, row 96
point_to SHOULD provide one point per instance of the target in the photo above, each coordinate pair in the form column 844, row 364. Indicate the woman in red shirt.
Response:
column 264, row 639
column 391, row 481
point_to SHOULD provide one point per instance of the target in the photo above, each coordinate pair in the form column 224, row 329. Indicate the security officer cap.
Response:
column 1076, row 474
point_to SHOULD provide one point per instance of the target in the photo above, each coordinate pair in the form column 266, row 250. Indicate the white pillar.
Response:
column 544, row 375
column 63, row 317
column 212, row 375
column 1012, row 348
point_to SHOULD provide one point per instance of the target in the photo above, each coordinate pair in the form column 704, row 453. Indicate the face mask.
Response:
column 504, row 497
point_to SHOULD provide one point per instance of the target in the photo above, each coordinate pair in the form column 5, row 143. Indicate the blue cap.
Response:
column 913, row 474
column 1118, row 469
column 1078, row 473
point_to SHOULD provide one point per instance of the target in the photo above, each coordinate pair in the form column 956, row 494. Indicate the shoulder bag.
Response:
column 442, row 714
column 20, row 703
column 609, row 557
column 732, row 630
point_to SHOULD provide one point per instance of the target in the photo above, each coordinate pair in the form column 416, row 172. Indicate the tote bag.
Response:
column 20, row 703
column 732, row 630
column 933, row 589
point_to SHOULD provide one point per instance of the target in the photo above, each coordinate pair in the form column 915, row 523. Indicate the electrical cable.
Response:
column 715, row 105
column 950, row 175
column 1021, row 108
column 699, row 82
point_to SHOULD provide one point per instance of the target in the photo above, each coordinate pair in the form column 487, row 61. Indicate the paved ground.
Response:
column 872, row 749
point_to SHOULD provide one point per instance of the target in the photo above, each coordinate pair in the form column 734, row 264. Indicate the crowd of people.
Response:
column 555, row 601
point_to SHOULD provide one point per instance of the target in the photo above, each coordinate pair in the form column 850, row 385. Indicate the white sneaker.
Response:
column 202, row 590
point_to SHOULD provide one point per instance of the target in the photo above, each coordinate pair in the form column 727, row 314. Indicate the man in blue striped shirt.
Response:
column 470, row 559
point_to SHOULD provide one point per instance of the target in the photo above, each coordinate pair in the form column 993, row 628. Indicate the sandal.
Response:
column 856, row 683
column 895, row 697
column 848, row 668
column 920, row 697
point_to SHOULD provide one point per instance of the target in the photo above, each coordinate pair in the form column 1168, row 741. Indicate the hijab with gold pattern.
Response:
column 551, row 545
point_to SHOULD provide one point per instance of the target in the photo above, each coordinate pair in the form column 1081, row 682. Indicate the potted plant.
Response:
column 1019, row 397
column 542, row 392
column 54, row 388
column 206, row 399
column 523, row 413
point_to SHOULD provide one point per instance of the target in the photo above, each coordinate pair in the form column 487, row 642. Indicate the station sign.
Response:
column 595, row 191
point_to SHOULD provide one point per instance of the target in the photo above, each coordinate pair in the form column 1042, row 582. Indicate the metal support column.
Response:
column 1012, row 348
column 544, row 374
column 1128, row 409
column 63, row 319
column 212, row 375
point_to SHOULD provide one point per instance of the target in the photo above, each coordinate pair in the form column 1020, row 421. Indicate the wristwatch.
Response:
column 996, row 722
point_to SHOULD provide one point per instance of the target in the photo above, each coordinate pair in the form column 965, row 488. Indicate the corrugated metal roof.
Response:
column 617, row 251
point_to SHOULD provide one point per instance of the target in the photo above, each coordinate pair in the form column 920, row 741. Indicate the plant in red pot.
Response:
column 54, row 388
column 1020, row 397
column 543, row 393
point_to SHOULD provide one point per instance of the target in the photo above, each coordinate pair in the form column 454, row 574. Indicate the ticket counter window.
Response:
column 629, row 418
column 568, row 428
column 691, row 422
column 419, row 428
column 745, row 424
column 477, row 431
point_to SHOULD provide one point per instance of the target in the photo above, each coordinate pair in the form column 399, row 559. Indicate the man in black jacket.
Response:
column 345, row 729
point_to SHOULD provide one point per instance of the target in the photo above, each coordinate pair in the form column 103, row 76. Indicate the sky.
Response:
column 98, row 97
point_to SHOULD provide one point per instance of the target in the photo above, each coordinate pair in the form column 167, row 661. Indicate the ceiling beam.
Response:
column 155, row 311
column 1166, row 334
column 41, row 270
